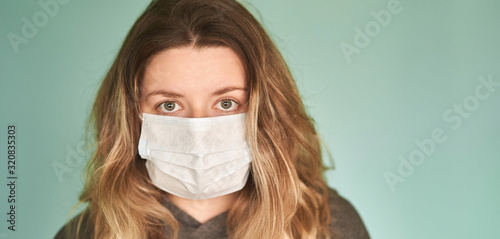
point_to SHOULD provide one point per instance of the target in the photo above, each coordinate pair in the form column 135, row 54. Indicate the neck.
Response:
column 204, row 209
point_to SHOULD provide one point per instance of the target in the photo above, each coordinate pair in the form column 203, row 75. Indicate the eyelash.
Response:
column 218, row 102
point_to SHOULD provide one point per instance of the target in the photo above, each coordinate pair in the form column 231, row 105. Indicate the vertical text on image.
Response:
column 11, row 178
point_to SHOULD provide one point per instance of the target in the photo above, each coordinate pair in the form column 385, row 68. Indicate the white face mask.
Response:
column 196, row 158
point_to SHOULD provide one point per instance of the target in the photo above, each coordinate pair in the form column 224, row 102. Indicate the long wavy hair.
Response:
column 285, row 195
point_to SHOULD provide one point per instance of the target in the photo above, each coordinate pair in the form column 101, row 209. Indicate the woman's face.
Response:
column 189, row 83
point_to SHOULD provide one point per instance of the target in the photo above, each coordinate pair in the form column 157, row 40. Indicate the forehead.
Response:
column 188, row 69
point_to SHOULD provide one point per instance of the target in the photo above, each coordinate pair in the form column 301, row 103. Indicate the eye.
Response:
column 227, row 105
column 169, row 106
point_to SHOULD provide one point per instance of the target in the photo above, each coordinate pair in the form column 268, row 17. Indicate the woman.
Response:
column 201, row 133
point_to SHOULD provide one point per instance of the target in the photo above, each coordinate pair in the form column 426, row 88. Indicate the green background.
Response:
column 404, row 82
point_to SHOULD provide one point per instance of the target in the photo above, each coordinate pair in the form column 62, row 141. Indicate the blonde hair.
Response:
column 285, row 196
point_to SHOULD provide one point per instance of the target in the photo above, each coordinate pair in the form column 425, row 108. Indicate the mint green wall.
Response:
column 403, row 104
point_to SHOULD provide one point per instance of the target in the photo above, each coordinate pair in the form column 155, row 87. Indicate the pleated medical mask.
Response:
column 196, row 158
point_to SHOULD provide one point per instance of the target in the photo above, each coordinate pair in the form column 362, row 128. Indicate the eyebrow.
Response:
column 177, row 95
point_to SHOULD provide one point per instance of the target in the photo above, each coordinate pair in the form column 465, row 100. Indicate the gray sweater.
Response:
column 345, row 222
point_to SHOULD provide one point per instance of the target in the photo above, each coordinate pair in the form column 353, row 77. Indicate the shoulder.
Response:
column 69, row 229
column 345, row 222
